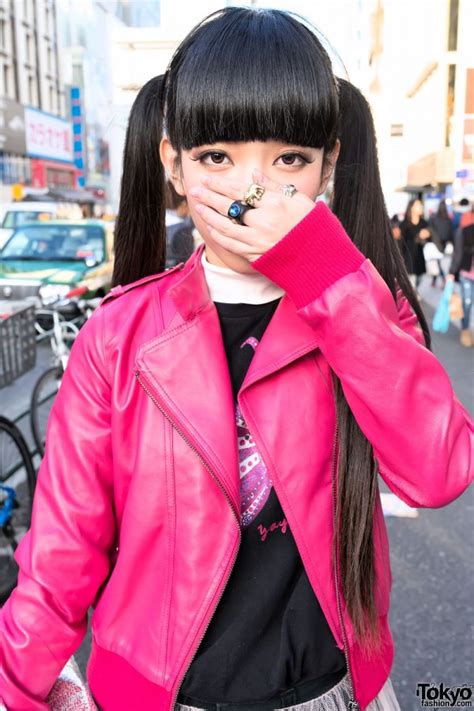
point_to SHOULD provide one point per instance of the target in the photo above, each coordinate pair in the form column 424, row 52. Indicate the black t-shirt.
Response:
column 268, row 632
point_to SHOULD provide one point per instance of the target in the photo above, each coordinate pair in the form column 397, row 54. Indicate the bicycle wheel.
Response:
column 17, row 479
column 44, row 392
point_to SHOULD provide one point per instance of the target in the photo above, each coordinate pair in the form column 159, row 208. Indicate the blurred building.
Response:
column 36, row 145
column 420, row 86
column 85, row 39
column 143, row 43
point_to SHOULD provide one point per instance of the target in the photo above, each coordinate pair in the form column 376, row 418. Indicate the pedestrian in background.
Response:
column 442, row 225
column 463, row 262
column 415, row 232
column 179, row 229
column 210, row 482
column 401, row 243
column 463, row 214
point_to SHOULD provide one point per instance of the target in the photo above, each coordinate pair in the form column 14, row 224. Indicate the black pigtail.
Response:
column 358, row 202
column 140, row 233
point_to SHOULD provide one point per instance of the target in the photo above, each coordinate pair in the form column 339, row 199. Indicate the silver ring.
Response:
column 289, row 190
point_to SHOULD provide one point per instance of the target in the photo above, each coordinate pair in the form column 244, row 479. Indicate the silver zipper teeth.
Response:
column 353, row 705
column 140, row 380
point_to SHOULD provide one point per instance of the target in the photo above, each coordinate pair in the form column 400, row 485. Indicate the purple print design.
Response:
column 252, row 342
column 255, row 482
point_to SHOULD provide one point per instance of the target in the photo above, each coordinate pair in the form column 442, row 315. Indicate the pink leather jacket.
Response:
column 137, row 506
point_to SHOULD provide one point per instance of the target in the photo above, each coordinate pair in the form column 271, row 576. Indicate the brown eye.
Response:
column 293, row 159
column 213, row 158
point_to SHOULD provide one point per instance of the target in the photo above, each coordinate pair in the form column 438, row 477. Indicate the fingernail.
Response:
column 195, row 192
column 199, row 207
column 205, row 180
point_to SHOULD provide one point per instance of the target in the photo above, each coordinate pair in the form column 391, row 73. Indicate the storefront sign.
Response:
column 48, row 136
column 12, row 127
column 79, row 157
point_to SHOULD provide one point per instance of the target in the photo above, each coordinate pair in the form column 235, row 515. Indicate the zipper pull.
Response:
column 353, row 705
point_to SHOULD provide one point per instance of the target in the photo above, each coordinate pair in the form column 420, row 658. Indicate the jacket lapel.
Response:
column 186, row 368
column 286, row 338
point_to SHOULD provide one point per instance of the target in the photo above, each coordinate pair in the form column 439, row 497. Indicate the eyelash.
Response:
column 302, row 158
column 202, row 158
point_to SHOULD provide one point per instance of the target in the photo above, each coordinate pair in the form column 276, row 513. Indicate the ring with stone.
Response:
column 237, row 211
column 255, row 192
column 289, row 190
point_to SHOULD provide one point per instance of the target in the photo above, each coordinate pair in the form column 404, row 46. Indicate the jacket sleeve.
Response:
column 398, row 391
column 64, row 558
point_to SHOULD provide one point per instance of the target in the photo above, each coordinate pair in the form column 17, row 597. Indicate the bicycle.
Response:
column 16, row 500
column 17, row 473
column 62, row 334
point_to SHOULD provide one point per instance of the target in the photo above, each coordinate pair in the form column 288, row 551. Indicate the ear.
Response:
column 328, row 166
column 169, row 158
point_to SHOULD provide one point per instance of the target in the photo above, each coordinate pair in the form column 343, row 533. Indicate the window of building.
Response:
column 396, row 129
column 30, row 48
column 3, row 33
column 450, row 104
column 28, row 10
column 32, row 90
column 139, row 13
column 7, row 87
column 14, row 169
column 453, row 25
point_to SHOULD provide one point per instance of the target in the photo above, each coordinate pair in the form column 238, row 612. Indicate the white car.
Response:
column 16, row 214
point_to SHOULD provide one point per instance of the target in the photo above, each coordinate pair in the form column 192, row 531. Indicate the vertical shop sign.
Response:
column 78, row 133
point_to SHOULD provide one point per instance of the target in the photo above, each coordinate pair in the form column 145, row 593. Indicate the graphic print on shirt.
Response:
column 255, row 482
column 251, row 342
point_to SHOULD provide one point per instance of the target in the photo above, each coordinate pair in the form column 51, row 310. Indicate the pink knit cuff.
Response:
column 312, row 256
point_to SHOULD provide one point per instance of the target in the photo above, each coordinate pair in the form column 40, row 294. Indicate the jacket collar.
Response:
column 186, row 367
column 286, row 338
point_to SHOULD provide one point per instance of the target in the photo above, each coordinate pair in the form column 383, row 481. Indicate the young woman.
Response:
column 210, row 478
column 415, row 232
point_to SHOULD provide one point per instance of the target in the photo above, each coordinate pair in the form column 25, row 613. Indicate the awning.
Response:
column 433, row 169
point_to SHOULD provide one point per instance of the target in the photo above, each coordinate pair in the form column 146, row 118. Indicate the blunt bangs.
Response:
column 251, row 75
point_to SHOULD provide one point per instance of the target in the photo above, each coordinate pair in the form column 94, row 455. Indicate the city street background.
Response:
column 69, row 73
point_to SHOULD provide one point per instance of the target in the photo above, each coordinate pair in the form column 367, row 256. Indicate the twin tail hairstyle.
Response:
column 247, row 74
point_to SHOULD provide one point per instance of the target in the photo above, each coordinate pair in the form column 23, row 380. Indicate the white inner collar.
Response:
column 230, row 287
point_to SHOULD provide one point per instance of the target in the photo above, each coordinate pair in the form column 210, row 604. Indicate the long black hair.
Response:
column 247, row 74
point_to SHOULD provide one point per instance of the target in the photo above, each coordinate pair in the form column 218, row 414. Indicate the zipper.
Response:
column 142, row 383
column 353, row 704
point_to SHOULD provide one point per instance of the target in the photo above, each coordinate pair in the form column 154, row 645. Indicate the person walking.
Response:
column 462, row 261
column 442, row 226
column 210, row 481
column 415, row 233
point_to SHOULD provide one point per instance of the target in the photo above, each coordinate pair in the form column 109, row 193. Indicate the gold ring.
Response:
column 255, row 191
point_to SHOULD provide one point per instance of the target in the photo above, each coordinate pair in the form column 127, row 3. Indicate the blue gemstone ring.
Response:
column 237, row 210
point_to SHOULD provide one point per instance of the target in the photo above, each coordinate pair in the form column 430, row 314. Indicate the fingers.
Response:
column 227, row 228
column 236, row 189
column 233, row 189
column 268, row 184
column 218, row 202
